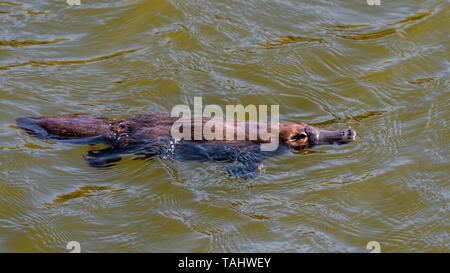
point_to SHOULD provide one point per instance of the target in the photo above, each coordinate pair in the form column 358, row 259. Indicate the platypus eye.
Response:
column 299, row 136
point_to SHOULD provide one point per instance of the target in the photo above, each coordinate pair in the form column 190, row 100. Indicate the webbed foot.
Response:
column 103, row 158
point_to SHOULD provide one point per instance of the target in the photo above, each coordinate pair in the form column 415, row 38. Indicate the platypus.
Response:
column 149, row 135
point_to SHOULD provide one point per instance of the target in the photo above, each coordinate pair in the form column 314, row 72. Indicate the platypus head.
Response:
column 300, row 136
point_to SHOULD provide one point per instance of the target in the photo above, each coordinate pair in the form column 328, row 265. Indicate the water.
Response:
column 381, row 70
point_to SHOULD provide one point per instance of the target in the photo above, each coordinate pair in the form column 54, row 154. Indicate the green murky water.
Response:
column 382, row 70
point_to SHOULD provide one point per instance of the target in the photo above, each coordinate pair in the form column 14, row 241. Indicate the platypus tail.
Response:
column 70, row 128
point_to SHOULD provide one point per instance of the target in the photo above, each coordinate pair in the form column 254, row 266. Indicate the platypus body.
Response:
column 150, row 135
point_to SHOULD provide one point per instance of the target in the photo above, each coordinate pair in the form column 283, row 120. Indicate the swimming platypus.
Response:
column 150, row 135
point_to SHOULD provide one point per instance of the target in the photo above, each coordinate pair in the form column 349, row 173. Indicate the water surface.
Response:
column 381, row 70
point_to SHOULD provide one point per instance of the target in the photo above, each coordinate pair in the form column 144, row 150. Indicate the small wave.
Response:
column 16, row 43
column 84, row 191
column 71, row 62
column 350, row 31
column 289, row 39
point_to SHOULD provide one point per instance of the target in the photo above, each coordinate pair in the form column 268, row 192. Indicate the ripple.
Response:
column 350, row 32
column 11, row 3
column 15, row 43
column 71, row 62
column 83, row 191
column 288, row 39
column 357, row 117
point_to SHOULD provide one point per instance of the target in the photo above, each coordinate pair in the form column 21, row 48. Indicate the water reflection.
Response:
column 380, row 70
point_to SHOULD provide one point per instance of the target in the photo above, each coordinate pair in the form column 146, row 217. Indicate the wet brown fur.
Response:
column 142, row 128
column 149, row 135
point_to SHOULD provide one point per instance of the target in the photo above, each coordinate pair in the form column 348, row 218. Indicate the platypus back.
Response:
column 71, row 128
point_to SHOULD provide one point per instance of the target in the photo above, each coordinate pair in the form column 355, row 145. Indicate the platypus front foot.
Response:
column 103, row 158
